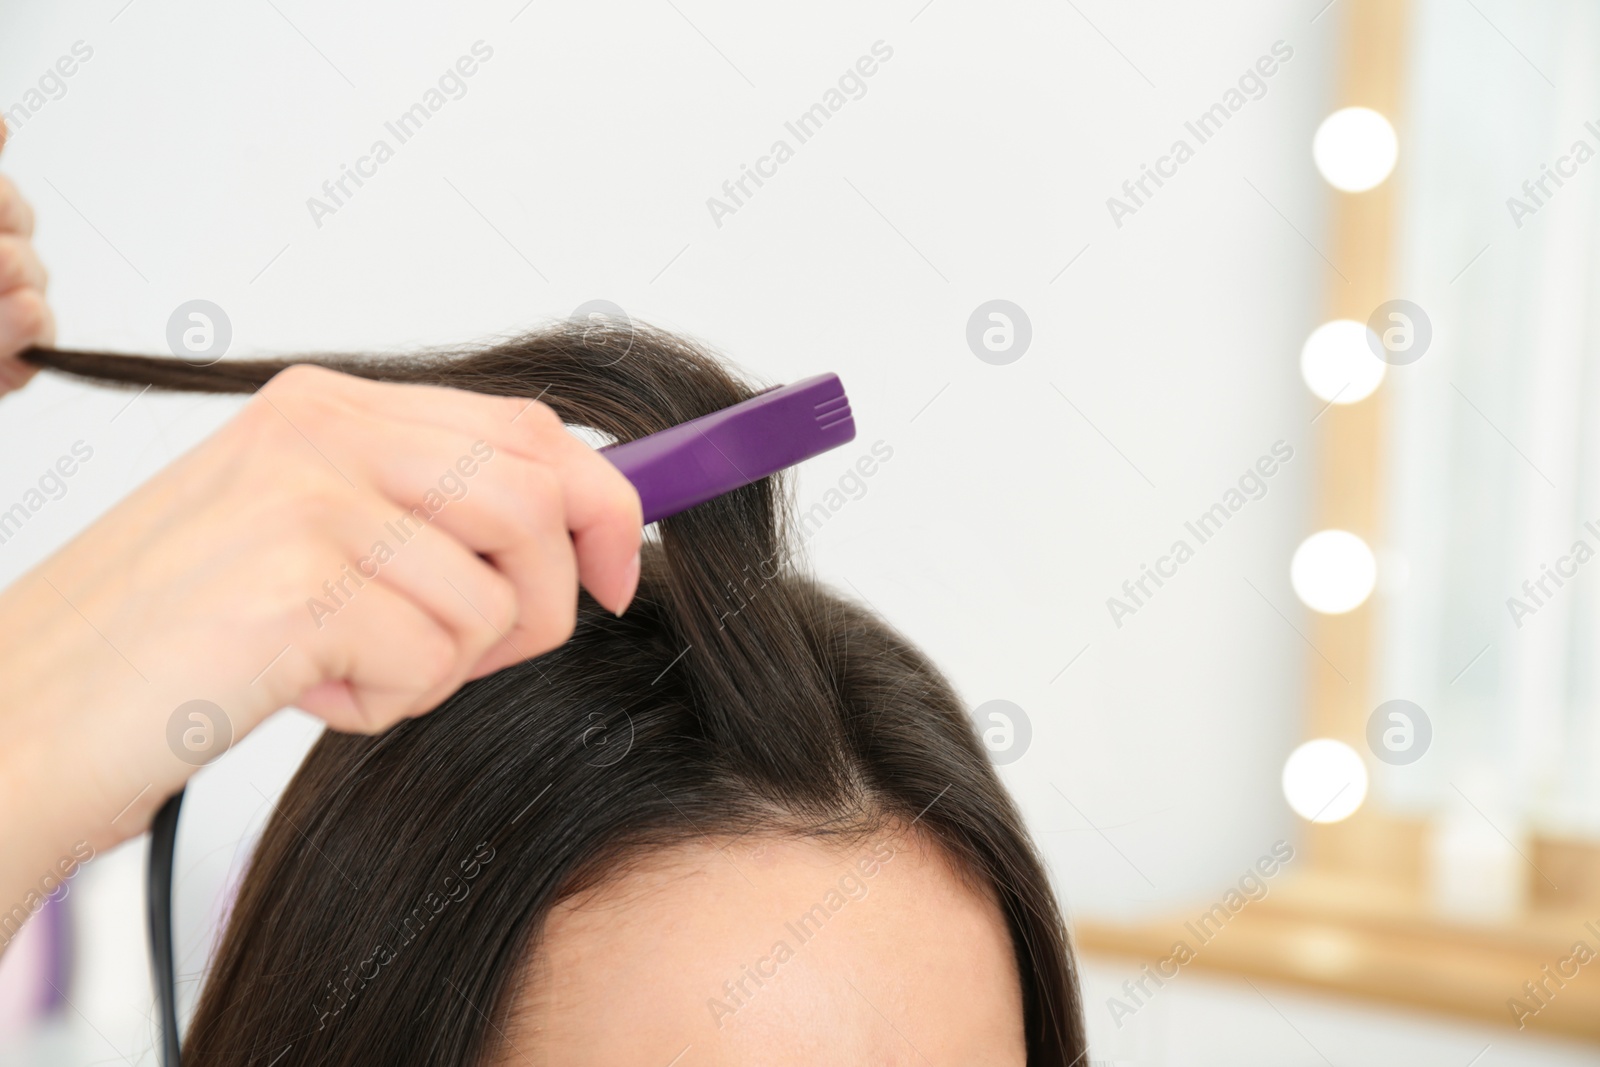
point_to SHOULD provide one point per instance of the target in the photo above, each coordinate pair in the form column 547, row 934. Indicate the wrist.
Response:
column 67, row 739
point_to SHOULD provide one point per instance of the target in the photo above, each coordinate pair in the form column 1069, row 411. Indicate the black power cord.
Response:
column 158, row 899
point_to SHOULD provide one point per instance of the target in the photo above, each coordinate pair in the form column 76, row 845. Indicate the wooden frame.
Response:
column 1353, row 915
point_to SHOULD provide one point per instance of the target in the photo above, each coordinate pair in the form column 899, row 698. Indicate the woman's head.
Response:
column 744, row 822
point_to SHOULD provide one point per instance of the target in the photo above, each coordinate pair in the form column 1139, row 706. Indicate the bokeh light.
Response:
column 1338, row 364
column 1333, row 571
column 1324, row 780
column 1355, row 149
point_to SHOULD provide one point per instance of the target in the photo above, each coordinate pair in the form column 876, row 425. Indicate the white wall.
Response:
column 179, row 162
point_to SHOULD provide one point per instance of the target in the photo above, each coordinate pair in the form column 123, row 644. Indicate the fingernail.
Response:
column 630, row 584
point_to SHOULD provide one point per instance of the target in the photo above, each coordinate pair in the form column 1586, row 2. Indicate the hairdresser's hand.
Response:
column 355, row 549
column 25, row 318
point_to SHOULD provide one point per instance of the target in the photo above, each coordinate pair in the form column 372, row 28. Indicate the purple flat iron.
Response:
column 694, row 461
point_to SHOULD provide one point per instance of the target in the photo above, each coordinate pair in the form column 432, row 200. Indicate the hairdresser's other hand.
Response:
column 352, row 548
column 25, row 318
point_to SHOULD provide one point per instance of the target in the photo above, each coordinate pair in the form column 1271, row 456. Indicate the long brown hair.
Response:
column 400, row 887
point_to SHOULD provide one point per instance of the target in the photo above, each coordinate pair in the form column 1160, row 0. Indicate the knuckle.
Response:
column 296, row 379
column 434, row 659
column 30, row 315
column 260, row 422
column 541, row 421
column 13, row 257
column 319, row 509
column 15, row 212
column 507, row 407
column 305, row 396
column 19, row 262
column 264, row 443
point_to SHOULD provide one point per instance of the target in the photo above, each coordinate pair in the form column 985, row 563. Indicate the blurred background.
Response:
column 1231, row 361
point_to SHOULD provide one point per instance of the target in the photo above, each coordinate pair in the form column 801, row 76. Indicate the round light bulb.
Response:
column 1324, row 780
column 1337, row 362
column 1355, row 149
column 1333, row 572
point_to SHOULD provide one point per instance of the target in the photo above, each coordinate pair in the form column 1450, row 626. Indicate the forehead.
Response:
column 774, row 951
